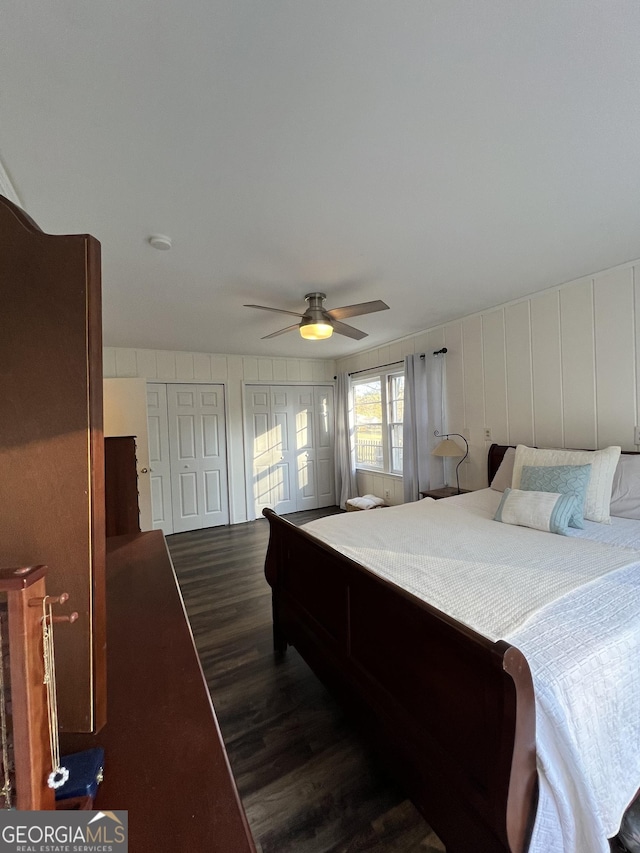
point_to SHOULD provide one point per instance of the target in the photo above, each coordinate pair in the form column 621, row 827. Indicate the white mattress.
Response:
column 583, row 649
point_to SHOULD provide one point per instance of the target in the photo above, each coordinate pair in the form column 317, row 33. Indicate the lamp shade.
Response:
column 448, row 447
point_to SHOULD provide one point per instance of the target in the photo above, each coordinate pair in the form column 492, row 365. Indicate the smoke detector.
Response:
column 159, row 241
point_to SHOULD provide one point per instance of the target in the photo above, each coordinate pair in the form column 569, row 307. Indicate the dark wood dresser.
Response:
column 165, row 761
column 121, row 485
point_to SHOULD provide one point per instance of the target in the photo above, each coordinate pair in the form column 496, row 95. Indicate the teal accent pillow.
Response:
column 547, row 511
column 562, row 479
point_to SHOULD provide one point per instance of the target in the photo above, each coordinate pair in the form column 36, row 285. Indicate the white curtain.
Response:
column 344, row 451
column 422, row 415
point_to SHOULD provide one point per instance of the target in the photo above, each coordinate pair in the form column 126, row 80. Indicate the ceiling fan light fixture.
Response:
column 317, row 323
column 319, row 331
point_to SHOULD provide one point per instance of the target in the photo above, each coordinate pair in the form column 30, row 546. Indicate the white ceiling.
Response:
column 442, row 155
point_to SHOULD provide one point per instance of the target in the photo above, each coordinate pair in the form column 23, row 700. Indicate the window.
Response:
column 378, row 405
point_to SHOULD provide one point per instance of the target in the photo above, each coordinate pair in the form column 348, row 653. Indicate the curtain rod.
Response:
column 378, row 366
column 392, row 363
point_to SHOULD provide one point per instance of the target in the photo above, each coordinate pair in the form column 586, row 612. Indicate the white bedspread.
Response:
column 578, row 626
column 491, row 576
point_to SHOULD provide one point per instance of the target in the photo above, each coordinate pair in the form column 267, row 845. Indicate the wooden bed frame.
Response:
column 452, row 712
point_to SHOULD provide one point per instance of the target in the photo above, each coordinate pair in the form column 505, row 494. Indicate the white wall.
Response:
column 560, row 368
column 232, row 371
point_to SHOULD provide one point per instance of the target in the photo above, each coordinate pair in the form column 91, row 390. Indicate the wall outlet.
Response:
column 487, row 434
column 636, row 435
column 386, row 493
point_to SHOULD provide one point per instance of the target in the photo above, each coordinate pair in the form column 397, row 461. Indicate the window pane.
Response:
column 396, row 448
column 369, row 446
column 396, row 399
column 378, row 415
column 396, row 416
column 367, row 406
column 367, row 401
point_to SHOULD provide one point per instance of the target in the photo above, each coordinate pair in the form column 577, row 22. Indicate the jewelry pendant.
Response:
column 58, row 777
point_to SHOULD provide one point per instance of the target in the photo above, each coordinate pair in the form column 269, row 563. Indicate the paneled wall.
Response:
column 232, row 371
column 558, row 369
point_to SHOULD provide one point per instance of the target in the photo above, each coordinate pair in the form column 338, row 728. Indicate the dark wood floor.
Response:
column 308, row 782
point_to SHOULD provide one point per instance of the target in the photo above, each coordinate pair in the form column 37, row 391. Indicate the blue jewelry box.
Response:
column 85, row 773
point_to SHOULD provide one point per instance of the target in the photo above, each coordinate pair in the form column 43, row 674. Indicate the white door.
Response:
column 324, row 437
column 159, row 462
column 305, row 448
column 289, row 442
column 283, row 442
column 198, row 456
column 270, row 451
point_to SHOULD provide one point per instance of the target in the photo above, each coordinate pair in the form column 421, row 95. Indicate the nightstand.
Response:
column 444, row 492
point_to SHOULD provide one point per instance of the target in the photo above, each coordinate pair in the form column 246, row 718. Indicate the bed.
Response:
column 452, row 709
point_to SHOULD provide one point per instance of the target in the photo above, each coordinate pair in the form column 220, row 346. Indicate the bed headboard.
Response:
column 497, row 451
column 494, row 458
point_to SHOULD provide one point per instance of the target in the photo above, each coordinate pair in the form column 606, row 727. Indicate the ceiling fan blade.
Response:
column 281, row 332
column 348, row 331
column 355, row 310
column 277, row 310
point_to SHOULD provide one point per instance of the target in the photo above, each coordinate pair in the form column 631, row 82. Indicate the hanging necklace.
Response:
column 5, row 791
column 58, row 775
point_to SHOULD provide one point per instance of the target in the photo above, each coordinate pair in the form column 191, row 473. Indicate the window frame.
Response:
column 385, row 377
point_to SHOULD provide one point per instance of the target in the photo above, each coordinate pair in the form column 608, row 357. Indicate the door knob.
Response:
column 144, row 470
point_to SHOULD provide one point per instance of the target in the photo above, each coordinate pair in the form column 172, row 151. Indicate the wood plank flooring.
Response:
column 308, row 782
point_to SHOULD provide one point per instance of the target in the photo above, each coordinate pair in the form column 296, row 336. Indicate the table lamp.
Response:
column 448, row 447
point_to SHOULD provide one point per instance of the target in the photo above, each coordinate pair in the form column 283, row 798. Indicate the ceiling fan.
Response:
column 318, row 323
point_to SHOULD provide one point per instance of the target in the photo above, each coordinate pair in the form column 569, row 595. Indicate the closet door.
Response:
column 283, row 443
column 198, row 456
column 260, row 453
column 324, row 438
column 305, row 448
column 159, row 462
column 289, row 441
column 270, row 436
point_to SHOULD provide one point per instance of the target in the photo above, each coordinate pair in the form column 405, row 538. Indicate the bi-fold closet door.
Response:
column 188, row 458
column 289, row 434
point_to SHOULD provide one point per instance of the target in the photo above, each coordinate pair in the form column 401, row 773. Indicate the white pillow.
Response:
column 504, row 474
column 548, row 511
column 603, row 465
column 625, row 496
